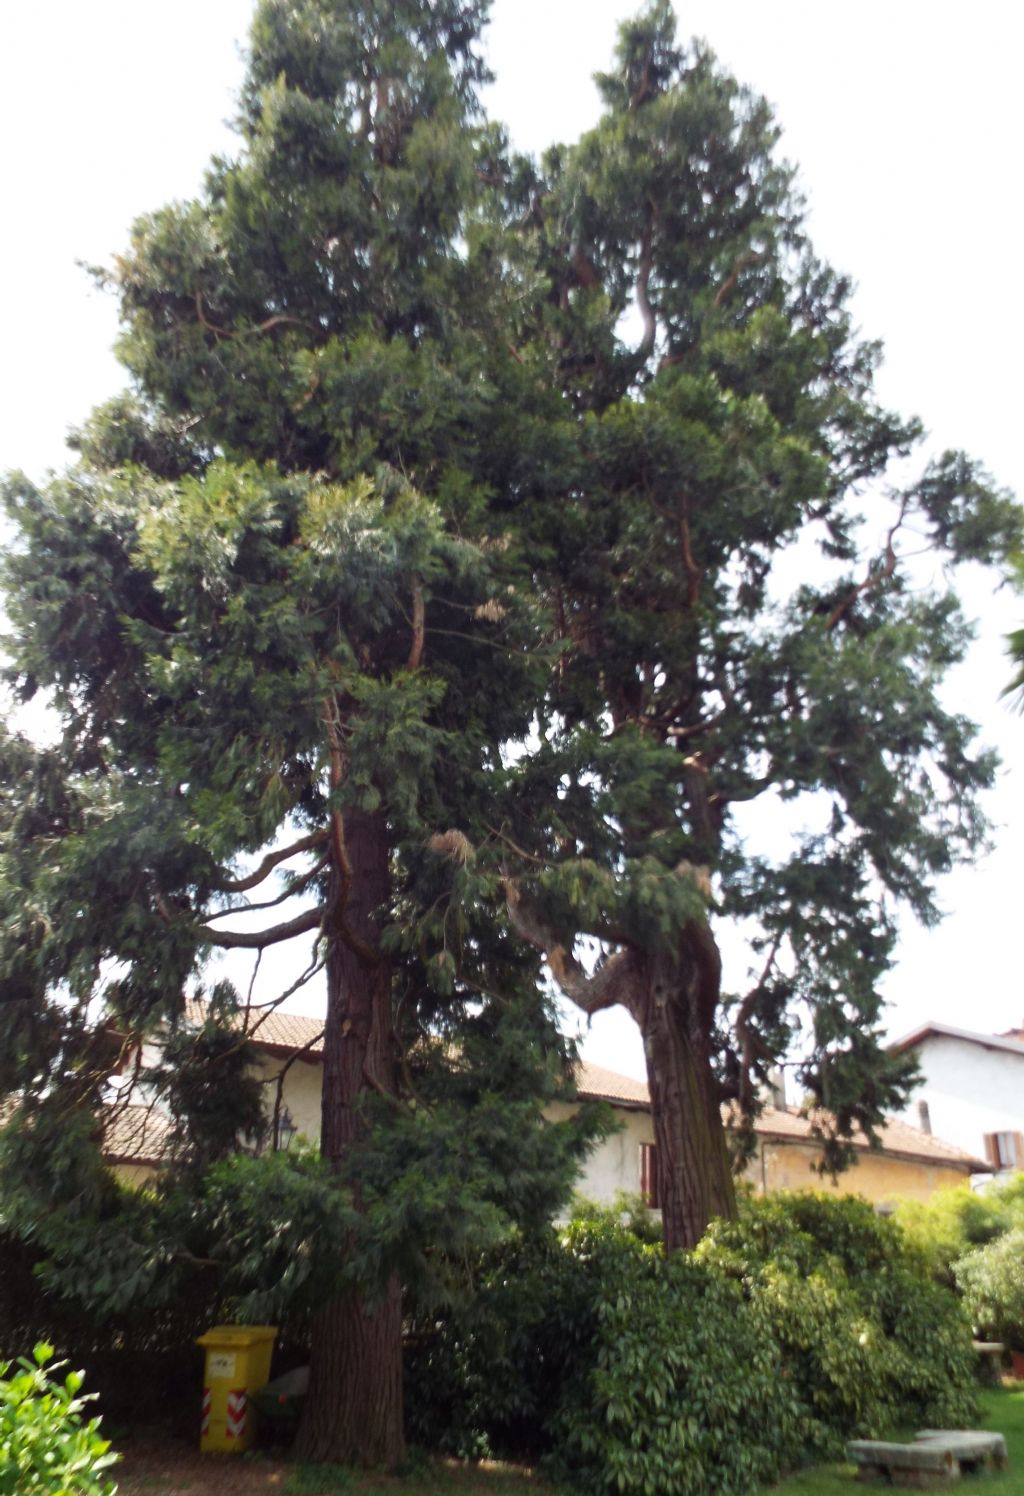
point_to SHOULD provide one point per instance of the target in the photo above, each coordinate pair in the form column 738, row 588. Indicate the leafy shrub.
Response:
column 867, row 1337
column 954, row 1221
column 806, row 1322
column 46, row 1447
column 992, row 1282
column 679, row 1391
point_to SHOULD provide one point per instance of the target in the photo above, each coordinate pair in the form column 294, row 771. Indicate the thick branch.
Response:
column 289, row 893
column 418, row 628
column 643, row 281
column 750, row 257
column 875, row 578
column 258, row 940
column 610, row 985
column 270, row 862
column 278, row 320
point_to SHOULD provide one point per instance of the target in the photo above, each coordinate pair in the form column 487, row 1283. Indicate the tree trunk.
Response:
column 353, row 1410
column 695, row 1181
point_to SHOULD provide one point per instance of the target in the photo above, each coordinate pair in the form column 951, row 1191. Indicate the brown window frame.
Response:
column 649, row 1180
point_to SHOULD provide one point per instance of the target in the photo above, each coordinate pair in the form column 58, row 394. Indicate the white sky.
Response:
column 902, row 116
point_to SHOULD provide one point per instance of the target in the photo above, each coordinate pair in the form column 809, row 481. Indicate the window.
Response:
column 649, row 1176
column 1005, row 1150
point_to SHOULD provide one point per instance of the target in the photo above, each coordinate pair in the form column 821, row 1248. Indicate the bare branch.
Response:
column 281, row 898
column 270, row 862
column 279, row 319
column 258, row 940
column 875, row 578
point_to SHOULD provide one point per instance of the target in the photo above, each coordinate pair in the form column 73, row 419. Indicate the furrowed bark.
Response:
column 353, row 1411
column 695, row 1181
column 673, row 998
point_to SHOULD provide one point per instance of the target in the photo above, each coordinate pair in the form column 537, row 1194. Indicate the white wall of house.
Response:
column 613, row 1166
column 300, row 1091
column 970, row 1090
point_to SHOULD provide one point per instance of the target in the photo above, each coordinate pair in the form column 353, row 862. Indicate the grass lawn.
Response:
column 1003, row 1414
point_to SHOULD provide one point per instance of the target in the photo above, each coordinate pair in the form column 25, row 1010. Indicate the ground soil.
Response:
column 159, row 1464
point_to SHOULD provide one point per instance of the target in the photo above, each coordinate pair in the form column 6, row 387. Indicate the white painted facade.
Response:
column 613, row 1167
column 300, row 1091
column 973, row 1084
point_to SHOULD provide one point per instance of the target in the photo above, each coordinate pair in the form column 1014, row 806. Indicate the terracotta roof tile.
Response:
column 274, row 1029
column 135, row 1134
column 896, row 1137
column 598, row 1084
column 292, row 1031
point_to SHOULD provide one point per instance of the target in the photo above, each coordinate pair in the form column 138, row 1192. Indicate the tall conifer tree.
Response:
column 269, row 612
column 729, row 632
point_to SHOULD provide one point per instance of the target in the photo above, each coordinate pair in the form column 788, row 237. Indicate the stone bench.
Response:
column 936, row 1457
column 990, row 1354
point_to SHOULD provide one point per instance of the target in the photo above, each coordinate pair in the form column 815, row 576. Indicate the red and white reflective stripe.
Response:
column 204, row 1426
column 237, row 1408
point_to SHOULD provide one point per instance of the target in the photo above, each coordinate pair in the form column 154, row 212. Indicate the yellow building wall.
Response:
column 879, row 1177
column 135, row 1175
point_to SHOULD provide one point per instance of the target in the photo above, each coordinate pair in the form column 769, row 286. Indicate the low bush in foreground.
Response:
column 803, row 1324
column 47, row 1448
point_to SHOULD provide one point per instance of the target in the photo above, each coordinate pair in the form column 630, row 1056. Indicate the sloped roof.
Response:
column 598, row 1084
column 285, row 1033
column 275, row 1030
column 1011, row 1042
column 896, row 1137
column 135, row 1134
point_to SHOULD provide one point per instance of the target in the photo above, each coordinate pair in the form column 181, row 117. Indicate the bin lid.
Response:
column 238, row 1336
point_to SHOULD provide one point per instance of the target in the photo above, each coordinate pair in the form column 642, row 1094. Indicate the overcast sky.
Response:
column 902, row 117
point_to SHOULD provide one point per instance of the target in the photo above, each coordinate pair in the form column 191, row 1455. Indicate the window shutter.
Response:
column 992, row 1149
column 649, row 1175
column 1018, row 1150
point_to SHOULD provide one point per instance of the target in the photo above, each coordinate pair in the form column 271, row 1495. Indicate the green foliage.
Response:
column 991, row 1279
column 627, row 1210
column 682, row 1392
column 953, row 1221
column 47, row 1448
column 393, row 492
column 805, row 1323
column 868, row 1339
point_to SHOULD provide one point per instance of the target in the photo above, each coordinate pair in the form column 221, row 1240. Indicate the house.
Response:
column 972, row 1092
column 911, row 1163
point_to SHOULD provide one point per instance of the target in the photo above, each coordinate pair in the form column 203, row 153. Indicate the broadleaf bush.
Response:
column 805, row 1323
column 47, row 1446
column 991, row 1279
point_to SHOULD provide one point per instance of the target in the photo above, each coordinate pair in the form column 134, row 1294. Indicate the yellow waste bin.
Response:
column 237, row 1363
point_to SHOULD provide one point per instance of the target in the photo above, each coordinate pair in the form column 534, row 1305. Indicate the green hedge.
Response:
column 805, row 1323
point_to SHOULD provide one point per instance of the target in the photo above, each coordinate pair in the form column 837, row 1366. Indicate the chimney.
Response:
column 924, row 1120
column 777, row 1088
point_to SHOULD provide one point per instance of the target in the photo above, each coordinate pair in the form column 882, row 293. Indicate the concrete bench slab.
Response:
column 972, row 1447
column 936, row 1457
